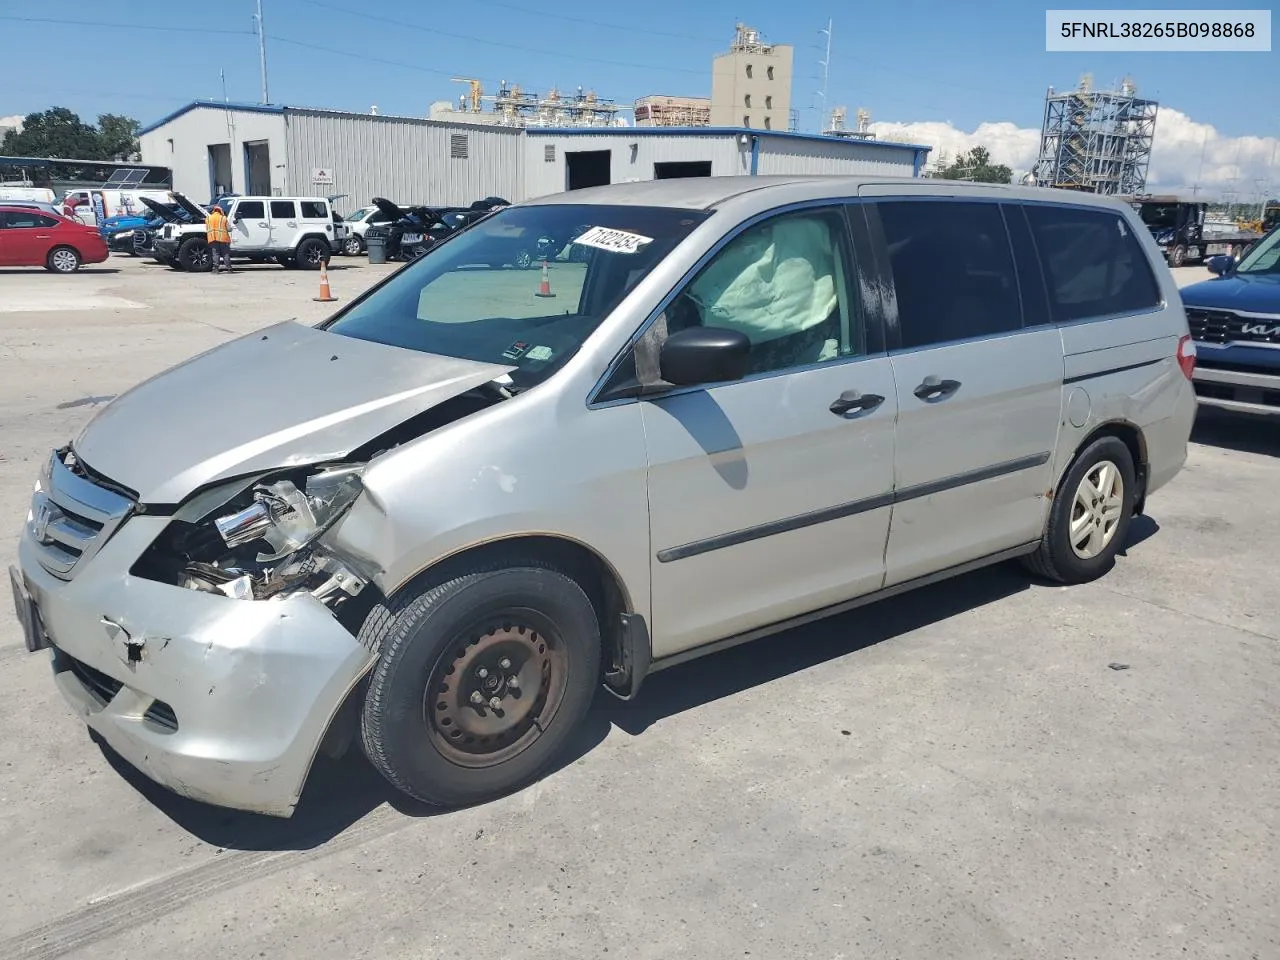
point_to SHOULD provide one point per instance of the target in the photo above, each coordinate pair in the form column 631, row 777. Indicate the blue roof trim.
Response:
column 703, row 131
column 217, row 104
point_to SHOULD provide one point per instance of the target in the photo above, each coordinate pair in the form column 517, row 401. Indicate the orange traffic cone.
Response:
column 326, row 296
column 544, row 288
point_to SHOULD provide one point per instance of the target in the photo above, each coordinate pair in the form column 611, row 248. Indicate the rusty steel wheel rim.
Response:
column 495, row 690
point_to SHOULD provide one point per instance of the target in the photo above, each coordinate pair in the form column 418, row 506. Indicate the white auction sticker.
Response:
column 618, row 241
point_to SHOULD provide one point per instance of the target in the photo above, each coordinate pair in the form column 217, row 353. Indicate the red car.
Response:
column 31, row 238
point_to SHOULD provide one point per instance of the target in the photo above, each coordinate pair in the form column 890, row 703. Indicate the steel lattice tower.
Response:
column 1098, row 141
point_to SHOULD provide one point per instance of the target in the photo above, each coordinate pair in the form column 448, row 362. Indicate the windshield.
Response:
column 481, row 295
column 1159, row 215
column 1264, row 257
column 356, row 215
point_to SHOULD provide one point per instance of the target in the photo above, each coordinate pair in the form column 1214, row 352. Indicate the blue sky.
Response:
column 908, row 61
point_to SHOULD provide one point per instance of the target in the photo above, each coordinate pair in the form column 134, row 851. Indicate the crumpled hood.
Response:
column 285, row 396
column 1252, row 293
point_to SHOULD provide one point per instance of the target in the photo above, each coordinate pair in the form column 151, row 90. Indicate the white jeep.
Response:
column 296, row 232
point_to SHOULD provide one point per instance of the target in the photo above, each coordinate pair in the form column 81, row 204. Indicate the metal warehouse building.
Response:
column 217, row 148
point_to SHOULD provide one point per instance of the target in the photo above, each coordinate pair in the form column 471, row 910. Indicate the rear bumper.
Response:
column 224, row 701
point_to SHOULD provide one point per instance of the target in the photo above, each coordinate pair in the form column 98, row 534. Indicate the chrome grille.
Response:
column 1223, row 326
column 73, row 515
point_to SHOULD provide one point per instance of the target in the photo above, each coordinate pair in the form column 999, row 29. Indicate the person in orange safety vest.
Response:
column 217, row 231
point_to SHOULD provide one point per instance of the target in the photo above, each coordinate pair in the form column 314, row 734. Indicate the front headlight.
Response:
column 288, row 518
column 258, row 539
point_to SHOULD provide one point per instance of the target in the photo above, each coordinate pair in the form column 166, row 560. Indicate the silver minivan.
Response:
column 439, row 520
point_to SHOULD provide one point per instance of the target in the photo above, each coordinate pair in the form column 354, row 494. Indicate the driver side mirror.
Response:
column 1221, row 265
column 704, row 355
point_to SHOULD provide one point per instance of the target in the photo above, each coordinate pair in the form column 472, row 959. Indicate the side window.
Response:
column 283, row 210
column 952, row 270
column 1093, row 264
column 311, row 210
column 781, row 282
column 250, row 210
column 28, row 219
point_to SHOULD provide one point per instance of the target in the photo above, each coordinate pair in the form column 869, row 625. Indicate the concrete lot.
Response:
column 953, row 774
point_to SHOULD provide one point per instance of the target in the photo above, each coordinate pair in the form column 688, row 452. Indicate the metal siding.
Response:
column 401, row 158
column 542, row 178
column 783, row 155
column 195, row 130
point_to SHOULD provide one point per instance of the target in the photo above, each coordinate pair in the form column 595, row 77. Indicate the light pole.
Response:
column 262, row 52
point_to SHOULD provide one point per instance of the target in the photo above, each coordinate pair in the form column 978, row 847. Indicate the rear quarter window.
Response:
column 1094, row 266
column 313, row 210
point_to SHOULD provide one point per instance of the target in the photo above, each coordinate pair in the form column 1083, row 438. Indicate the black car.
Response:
column 415, row 230
column 412, row 230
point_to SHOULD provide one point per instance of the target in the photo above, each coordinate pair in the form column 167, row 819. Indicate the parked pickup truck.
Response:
column 1235, row 322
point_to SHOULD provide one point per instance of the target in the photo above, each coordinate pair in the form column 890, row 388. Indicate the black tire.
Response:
column 421, row 727
column 353, row 246
column 1056, row 559
column 1178, row 255
column 194, row 255
column 311, row 253
column 62, row 260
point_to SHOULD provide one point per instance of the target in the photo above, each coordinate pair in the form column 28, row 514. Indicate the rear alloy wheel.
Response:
column 194, row 256
column 63, row 260
column 1090, row 515
column 480, row 682
column 524, row 259
column 352, row 246
column 311, row 253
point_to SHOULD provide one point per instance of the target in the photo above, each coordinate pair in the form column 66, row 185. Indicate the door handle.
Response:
column 852, row 400
column 292, row 223
column 932, row 389
column 263, row 223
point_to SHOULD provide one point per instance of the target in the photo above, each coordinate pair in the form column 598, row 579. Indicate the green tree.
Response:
column 977, row 165
column 118, row 137
column 56, row 132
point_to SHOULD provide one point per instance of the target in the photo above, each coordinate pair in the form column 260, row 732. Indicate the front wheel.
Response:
column 1090, row 515
column 480, row 682
column 194, row 256
column 1177, row 256
column 353, row 246
column 63, row 260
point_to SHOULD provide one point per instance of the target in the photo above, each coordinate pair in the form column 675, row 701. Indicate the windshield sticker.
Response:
column 540, row 353
column 515, row 351
column 617, row 241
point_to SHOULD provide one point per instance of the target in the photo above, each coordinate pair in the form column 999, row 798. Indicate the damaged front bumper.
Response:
column 222, row 700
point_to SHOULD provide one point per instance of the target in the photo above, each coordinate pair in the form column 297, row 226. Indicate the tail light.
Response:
column 1187, row 356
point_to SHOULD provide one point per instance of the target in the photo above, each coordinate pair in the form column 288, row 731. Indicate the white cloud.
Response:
column 1175, row 157
column 14, row 121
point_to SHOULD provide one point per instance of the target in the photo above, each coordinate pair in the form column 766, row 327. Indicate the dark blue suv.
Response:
column 1235, row 322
